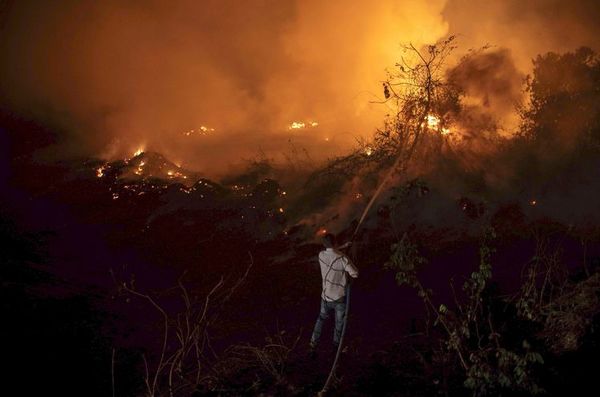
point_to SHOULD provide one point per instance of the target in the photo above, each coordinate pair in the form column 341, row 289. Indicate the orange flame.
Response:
column 297, row 125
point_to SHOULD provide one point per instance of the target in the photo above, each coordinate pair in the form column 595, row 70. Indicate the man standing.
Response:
column 334, row 266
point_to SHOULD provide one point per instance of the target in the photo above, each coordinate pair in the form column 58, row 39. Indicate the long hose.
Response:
column 339, row 349
column 362, row 218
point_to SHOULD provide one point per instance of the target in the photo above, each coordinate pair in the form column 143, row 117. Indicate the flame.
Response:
column 432, row 121
column 202, row 130
column 100, row 171
column 368, row 150
column 138, row 152
column 296, row 125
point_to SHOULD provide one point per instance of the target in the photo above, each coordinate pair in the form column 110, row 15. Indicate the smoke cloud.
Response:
column 115, row 76
column 527, row 28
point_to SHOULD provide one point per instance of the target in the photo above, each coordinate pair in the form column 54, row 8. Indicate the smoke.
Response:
column 115, row 76
column 527, row 28
column 492, row 88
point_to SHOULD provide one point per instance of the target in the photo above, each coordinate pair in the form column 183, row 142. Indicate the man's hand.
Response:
column 345, row 245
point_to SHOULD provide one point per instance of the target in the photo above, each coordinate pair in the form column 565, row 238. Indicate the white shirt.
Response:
column 334, row 266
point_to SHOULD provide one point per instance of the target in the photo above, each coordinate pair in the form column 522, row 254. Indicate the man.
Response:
column 334, row 267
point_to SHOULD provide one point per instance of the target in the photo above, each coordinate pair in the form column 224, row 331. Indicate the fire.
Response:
column 368, row 150
column 202, row 130
column 100, row 171
column 176, row 174
column 297, row 125
column 321, row 232
column 138, row 152
column 432, row 121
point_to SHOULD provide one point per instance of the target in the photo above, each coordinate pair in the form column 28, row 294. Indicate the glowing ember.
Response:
column 170, row 173
column 202, row 130
column 100, row 172
column 533, row 202
column 281, row 210
column 321, row 232
column 358, row 196
column 368, row 150
column 115, row 196
column 445, row 131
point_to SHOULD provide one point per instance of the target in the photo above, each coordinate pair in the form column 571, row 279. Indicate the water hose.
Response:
column 362, row 218
column 339, row 349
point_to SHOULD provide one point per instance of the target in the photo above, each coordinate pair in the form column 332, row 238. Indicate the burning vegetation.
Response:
column 448, row 195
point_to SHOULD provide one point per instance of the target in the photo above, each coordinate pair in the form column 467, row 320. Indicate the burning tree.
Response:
column 419, row 99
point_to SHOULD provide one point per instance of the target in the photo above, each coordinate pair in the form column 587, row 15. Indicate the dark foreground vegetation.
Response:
column 480, row 261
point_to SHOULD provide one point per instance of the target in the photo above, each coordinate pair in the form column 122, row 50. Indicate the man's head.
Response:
column 329, row 240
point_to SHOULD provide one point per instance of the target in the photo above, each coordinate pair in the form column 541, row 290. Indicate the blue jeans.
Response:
column 339, row 306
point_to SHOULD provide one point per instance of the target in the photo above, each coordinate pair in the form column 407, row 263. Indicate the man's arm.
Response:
column 350, row 268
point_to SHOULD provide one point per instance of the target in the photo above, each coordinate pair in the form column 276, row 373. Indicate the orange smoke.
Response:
column 114, row 74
